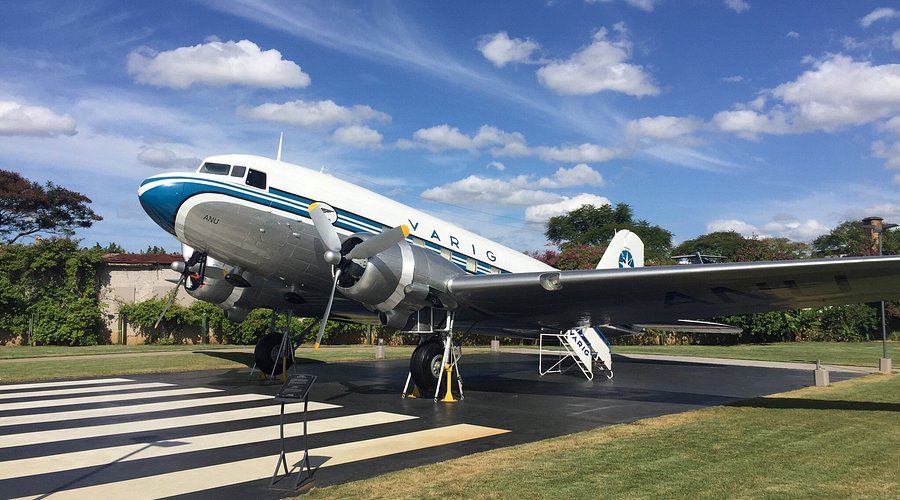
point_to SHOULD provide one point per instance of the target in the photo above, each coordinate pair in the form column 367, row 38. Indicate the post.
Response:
column 204, row 327
column 877, row 227
column 379, row 349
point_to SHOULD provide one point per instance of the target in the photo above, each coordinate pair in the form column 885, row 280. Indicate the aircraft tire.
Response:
column 266, row 354
column 425, row 360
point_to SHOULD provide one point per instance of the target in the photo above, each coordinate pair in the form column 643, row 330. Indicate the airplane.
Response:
column 262, row 232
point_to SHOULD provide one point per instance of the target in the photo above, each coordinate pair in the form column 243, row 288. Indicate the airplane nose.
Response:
column 161, row 199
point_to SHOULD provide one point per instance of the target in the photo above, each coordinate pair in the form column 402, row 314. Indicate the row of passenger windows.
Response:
column 255, row 178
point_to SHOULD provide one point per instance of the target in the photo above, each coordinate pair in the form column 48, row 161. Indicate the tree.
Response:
column 113, row 247
column 27, row 208
column 156, row 250
column 595, row 226
column 724, row 243
column 851, row 238
column 755, row 250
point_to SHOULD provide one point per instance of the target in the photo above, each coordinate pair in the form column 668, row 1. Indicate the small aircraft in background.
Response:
column 261, row 232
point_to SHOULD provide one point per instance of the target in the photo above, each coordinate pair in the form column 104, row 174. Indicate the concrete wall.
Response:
column 131, row 283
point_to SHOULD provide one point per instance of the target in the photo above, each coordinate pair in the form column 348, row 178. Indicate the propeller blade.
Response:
column 323, row 226
column 379, row 243
column 324, row 322
column 171, row 300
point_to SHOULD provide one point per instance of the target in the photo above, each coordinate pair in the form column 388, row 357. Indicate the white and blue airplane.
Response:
column 259, row 232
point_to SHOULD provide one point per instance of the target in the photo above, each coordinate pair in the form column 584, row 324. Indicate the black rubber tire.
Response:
column 425, row 359
column 266, row 354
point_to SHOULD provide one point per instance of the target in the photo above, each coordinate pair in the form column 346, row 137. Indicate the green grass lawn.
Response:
column 834, row 353
column 836, row 442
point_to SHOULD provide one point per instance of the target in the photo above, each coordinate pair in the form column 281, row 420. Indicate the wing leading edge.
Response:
column 560, row 300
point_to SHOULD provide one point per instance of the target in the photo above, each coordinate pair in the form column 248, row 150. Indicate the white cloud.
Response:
column 521, row 190
column 738, row 6
column 888, row 152
column 475, row 189
column 892, row 125
column 661, row 127
column 895, row 40
column 793, row 34
column 501, row 50
column 497, row 165
column 838, row 92
column 165, row 158
column 541, row 213
column 19, row 119
column 645, row 5
column 877, row 15
column 216, row 63
column 504, row 144
column 599, row 66
column 779, row 227
column 358, row 135
column 314, row 114
column 733, row 79
column 579, row 175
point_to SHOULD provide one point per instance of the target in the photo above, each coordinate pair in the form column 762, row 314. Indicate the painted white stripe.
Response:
column 51, row 436
column 80, row 390
column 38, row 385
column 203, row 442
column 230, row 473
column 115, row 411
column 106, row 398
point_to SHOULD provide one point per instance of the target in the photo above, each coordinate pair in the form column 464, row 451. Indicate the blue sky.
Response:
column 767, row 117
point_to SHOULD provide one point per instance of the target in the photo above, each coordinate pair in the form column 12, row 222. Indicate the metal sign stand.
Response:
column 294, row 390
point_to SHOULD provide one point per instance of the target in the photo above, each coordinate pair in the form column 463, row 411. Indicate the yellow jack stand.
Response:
column 448, row 398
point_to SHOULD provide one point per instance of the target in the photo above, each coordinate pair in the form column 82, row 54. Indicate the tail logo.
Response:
column 626, row 259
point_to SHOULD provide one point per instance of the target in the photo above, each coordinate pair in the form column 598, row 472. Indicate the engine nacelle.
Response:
column 396, row 282
column 214, row 289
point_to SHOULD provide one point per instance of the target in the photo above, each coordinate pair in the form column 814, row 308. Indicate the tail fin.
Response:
column 625, row 250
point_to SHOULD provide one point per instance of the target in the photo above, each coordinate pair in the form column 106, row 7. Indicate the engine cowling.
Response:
column 396, row 282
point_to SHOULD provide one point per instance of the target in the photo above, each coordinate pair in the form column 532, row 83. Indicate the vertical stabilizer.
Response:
column 625, row 250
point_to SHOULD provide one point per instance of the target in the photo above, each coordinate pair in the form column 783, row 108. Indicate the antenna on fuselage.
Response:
column 280, row 140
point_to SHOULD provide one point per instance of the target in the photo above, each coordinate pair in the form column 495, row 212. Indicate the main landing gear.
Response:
column 434, row 367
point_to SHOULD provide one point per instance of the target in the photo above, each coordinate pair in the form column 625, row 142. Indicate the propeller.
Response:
column 333, row 255
column 185, row 269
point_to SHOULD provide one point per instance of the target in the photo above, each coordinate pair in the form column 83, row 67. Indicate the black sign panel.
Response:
column 295, row 389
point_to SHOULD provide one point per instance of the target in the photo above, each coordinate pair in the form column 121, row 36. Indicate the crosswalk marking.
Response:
column 79, row 390
column 130, row 466
column 50, row 436
column 201, row 442
column 241, row 471
column 131, row 409
column 64, row 383
column 106, row 398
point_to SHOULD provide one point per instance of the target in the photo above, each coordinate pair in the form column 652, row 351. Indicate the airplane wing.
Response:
column 560, row 300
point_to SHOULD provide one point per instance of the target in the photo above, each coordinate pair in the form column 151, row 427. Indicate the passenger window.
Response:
column 238, row 171
column 214, row 168
column 256, row 179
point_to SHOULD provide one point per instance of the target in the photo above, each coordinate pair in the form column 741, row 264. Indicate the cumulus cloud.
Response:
column 644, row 5
column 793, row 34
column 541, row 213
column 739, row 6
column 599, row 66
column 216, row 63
column 165, row 158
column 502, row 50
column 888, row 152
column 837, row 92
column 778, row 227
column 20, row 119
column 359, row 136
column 662, row 127
column 878, row 15
column 522, row 190
column 504, row 144
column 322, row 114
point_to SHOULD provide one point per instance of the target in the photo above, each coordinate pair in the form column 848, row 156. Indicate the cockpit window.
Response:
column 256, row 179
column 214, row 168
column 238, row 171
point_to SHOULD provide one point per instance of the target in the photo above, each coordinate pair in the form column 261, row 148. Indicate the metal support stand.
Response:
column 449, row 362
column 295, row 389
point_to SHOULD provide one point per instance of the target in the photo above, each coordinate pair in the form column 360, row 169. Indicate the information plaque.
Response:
column 295, row 388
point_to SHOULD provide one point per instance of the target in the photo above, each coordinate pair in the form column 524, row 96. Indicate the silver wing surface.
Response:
column 559, row 300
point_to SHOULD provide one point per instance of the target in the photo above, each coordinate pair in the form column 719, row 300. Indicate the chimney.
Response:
column 873, row 226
